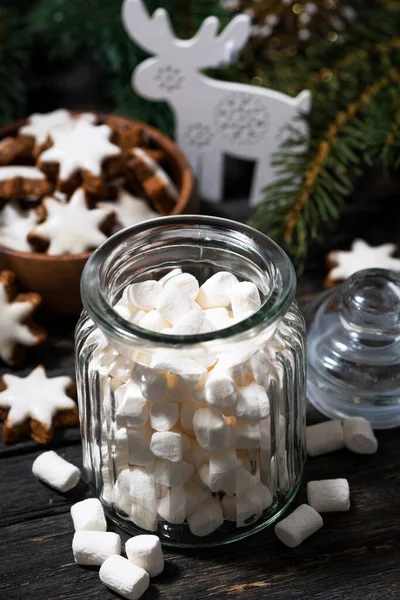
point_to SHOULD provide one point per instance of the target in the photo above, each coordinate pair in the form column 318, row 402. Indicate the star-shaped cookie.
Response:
column 71, row 228
column 16, row 328
column 361, row 256
column 129, row 210
column 40, row 126
column 15, row 225
column 35, row 404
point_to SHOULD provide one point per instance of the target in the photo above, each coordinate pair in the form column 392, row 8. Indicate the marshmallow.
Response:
column 196, row 456
column 329, row 495
column 207, row 518
column 153, row 321
column 212, row 431
column 58, row 473
column 359, row 436
column 172, row 507
column 220, row 391
column 88, row 515
column 164, row 416
column 247, row 435
column 237, row 366
column 172, row 474
column 222, row 469
column 262, row 368
column 153, row 384
column 93, row 547
column 247, row 506
column 244, row 298
column 123, row 309
column 252, row 403
column 195, row 496
column 219, row 317
column 187, row 412
column 190, row 371
column 144, row 295
column 133, row 410
column 173, row 304
column 178, row 391
column 186, row 282
column 193, row 323
column 324, row 437
column 135, row 494
column 170, row 275
column 124, row 578
column 139, row 452
column 215, row 292
column 145, row 552
column 298, row 526
column 167, row 445
column 121, row 368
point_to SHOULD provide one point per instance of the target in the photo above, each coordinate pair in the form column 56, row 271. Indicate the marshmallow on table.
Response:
column 324, row 437
column 298, row 526
column 144, row 294
column 329, row 495
column 220, row 392
column 124, row 578
column 215, row 292
column 244, row 299
column 139, row 452
column 172, row 473
column 58, row 473
column 359, row 436
column 207, row 518
column 153, row 321
column 164, row 416
column 88, row 515
column 93, row 547
column 173, row 304
column 212, row 431
column 145, row 552
column 252, row 403
column 167, row 445
column 133, row 410
column 186, row 282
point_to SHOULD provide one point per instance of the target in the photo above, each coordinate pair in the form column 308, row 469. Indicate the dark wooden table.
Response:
column 355, row 556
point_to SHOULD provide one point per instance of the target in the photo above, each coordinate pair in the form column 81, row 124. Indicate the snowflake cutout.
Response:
column 169, row 78
column 199, row 135
column 242, row 118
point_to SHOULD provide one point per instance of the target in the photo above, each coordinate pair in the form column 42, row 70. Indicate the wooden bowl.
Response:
column 57, row 278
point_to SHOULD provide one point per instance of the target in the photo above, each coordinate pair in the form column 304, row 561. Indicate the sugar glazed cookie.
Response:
column 16, row 326
column 343, row 264
column 34, row 405
column 19, row 180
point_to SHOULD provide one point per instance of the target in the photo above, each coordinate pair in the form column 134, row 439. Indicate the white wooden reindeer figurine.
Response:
column 213, row 118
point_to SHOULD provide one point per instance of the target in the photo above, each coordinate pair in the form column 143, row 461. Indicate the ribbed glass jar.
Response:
column 206, row 498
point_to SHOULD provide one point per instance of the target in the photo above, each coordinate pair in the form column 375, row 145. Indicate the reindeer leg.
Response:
column 211, row 179
column 263, row 175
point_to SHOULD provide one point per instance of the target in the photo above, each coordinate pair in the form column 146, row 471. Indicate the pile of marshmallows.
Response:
column 184, row 426
column 327, row 495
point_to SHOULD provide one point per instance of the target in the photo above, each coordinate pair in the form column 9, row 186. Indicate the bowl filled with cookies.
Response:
column 70, row 180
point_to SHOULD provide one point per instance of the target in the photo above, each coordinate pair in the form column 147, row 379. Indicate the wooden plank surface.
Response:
column 355, row 556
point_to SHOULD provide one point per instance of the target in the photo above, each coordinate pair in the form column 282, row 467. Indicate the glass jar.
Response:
column 247, row 472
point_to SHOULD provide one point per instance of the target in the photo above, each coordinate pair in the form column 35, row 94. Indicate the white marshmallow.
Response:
column 212, row 431
column 133, row 410
column 263, row 370
column 237, row 366
column 359, row 436
column 178, row 391
column 153, row 384
column 144, row 294
column 172, row 474
column 123, row 309
column 145, row 552
column 252, row 403
column 220, row 391
column 298, row 526
column 186, row 282
column 170, row 275
column 167, row 445
column 190, row 371
column 192, row 323
column 164, row 416
column 135, row 494
column 196, row 456
column 207, row 518
column 222, row 469
column 93, row 547
column 324, row 437
column 215, row 292
column 187, row 412
column 121, row 368
column 58, row 473
column 244, row 298
column 172, row 507
column 247, row 435
column 219, row 317
column 247, row 506
column 88, row 515
column 153, row 321
column 329, row 495
column 173, row 304
column 195, row 496
column 124, row 578
column 139, row 452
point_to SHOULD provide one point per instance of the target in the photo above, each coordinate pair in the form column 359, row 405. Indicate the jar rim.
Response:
column 100, row 310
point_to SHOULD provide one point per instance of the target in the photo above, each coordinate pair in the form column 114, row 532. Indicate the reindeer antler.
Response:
column 153, row 34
